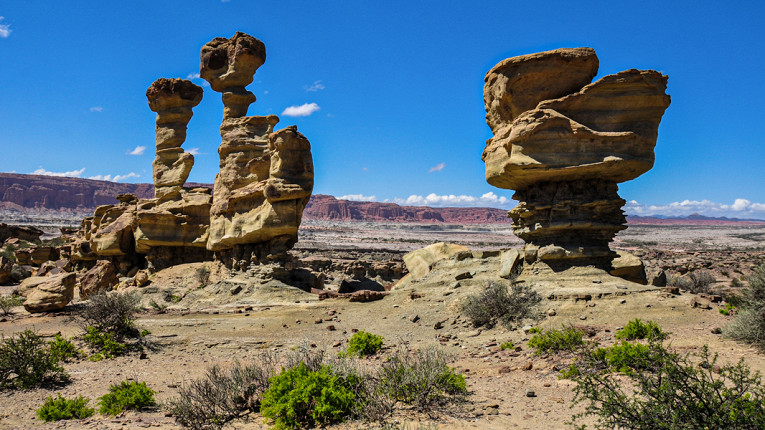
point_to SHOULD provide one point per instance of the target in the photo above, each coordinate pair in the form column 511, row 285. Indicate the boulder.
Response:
column 509, row 263
column 30, row 283
column 629, row 267
column 6, row 268
column 20, row 272
column 101, row 277
column 420, row 261
column 53, row 294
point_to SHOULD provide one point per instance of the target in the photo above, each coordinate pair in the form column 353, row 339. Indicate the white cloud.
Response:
column 358, row 198
column 302, row 110
column 316, row 86
column 741, row 208
column 69, row 174
column 195, row 76
column 193, row 151
column 365, row 168
column 486, row 200
column 116, row 178
column 437, row 168
column 96, row 109
column 5, row 29
column 139, row 150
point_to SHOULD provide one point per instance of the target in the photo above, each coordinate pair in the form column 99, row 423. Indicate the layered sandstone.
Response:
column 266, row 177
column 564, row 144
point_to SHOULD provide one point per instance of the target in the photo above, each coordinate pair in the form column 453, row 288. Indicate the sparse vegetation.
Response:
column 300, row 397
column 124, row 396
column 553, row 341
column 61, row 408
column 103, row 343
column 637, row 329
column 9, row 302
column 26, row 361
column 63, row 349
column 112, row 313
column 670, row 391
column 701, row 281
column 203, row 276
column 364, row 343
column 749, row 325
column 496, row 305
column 507, row 345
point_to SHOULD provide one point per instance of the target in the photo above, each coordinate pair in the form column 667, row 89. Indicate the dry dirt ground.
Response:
column 192, row 335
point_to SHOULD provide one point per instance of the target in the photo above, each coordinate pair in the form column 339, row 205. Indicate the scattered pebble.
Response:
column 530, row 393
column 414, row 318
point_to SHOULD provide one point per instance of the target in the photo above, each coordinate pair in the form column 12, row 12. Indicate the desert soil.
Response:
column 189, row 336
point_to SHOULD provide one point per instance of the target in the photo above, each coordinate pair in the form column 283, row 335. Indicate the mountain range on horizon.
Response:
column 29, row 192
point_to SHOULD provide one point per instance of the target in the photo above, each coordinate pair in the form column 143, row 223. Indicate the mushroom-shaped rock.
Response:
column 564, row 144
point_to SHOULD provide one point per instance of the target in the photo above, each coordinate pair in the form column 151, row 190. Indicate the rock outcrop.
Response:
column 266, row 177
column 53, row 293
column 419, row 262
column 564, row 144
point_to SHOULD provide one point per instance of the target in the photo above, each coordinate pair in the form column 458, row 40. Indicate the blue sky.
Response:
column 394, row 89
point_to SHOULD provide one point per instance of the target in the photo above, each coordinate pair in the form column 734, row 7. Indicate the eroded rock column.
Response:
column 564, row 144
column 172, row 100
column 265, row 178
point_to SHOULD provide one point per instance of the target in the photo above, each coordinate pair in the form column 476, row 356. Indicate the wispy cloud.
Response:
column 115, row 178
column 69, row 174
column 740, row 208
column 302, row 110
column 486, row 200
column 358, row 198
column 195, row 76
column 316, row 86
column 5, row 29
column 139, row 150
column 96, row 109
column 437, row 168
column 194, row 151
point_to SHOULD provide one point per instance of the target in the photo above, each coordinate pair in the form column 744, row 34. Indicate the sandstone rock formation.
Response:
column 172, row 100
column 420, row 261
column 101, row 277
column 564, row 144
column 54, row 293
column 265, row 178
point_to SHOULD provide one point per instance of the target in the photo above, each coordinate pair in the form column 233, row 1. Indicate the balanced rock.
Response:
column 266, row 177
column 564, row 144
column 53, row 294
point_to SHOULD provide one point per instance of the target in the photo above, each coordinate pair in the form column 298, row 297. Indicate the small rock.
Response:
column 622, row 301
column 528, row 366
column 717, row 330
column 672, row 290
column 698, row 302
column 551, row 313
column 336, row 344
column 530, row 393
column 331, row 328
column 318, row 321
column 236, row 289
column 648, row 305
column 505, row 369
column 583, row 317
column 463, row 275
column 143, row 356
column 438, row 325
column 414, row 318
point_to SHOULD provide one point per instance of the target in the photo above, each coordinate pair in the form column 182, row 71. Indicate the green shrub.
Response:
column 9, row 302
column 300, row 397
column 112, row 313
column 64, row 409
column 421, row 379
column 553, row 341
column 26, row 362
column 63, row 349
column 496, row 305
column 507, row 345
column 223, row 394
column 728, row 309
column 363, row 344
column 749, row 324
column 126, row 395
column 625, row 357
column 103, row 343
column 637, row 329
column 672, row 392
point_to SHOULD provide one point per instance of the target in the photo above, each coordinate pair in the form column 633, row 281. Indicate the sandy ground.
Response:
column 189, row 341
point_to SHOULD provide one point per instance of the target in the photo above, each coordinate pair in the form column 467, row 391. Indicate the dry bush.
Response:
column 749, row 325
column 701, row 281
column 112, row 313
column 496, row 304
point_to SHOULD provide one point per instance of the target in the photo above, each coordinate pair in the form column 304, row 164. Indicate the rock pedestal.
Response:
column 564, row 144
column 265, row 178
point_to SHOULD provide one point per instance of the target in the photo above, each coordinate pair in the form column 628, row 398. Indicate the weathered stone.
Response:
column 101, row 277
column 564, row 144
column 510, row 261
column 6, row 268
column 629, row 267
column 19, row 272
column 659, row 279
column 141, row 278
column 29, row 234
column 41, row 254
column 52, row 294
column 420, row 261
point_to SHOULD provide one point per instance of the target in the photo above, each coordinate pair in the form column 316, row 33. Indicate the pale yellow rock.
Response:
column 630, row 267
column 420, row 261
column 53, row 294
